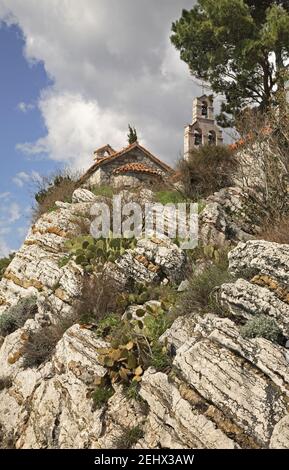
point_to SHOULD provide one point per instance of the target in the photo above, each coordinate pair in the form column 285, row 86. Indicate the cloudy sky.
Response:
column 73, row 75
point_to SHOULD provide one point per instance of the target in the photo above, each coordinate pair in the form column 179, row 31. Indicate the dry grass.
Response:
column 98, row 298
column 207, row 170
column 277, row 232
column 200, row 295
column 41, row 345
column 58, row 187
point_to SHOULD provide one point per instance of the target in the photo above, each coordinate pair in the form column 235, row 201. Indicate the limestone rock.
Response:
column 83, row 195
column 153, row 260
column 280, row 436
column 247, row 300
column 261, row 257
column 223, row 391
column 180, row 331
column 62, row 415
column 173, row 422
column 225, row 374
column 225, row 217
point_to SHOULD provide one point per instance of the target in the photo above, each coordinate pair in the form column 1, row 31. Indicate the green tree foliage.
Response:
column 132, row 135
column 240, row 47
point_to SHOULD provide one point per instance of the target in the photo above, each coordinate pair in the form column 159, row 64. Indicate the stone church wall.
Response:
column 104, row 174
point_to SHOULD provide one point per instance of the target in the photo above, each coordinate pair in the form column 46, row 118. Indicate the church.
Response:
column 130, row 167
column 135, row 165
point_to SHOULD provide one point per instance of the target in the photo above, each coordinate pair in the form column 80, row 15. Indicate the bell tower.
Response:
column 203, row 129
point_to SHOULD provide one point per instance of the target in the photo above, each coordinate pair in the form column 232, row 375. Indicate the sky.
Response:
column 73, row 75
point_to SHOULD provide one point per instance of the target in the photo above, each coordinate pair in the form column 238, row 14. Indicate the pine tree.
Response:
column 230, row 45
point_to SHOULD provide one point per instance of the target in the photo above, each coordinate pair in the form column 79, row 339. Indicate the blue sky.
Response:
column 73, row 75
column 20, row 119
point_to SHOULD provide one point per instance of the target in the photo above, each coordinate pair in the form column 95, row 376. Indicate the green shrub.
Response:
column 107, row 324
column 103, row 190
column 156, row 321
column 200, row 292
column 143, row 293
column 262, row 326
column 16, row 316
column 160, row 359
column 169, row 197
column 4, row 263
column 129, row 438
column 132, row 391
column 101, row 395
column 208, row 169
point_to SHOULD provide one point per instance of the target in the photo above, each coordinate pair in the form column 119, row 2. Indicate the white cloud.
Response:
column 22, row 178
column 112, row 63
column 9, row 214
column 13, row 212
column 75, row 128
column 4, row 196
column 25, row 107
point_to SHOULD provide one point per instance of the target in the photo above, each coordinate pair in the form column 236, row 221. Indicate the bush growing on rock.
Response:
column 262, row 326
column 207, row 170
column 129, row 438
column 59, row 187
column 16, row 316
column 101, row 395
column 132, row 391
column 134, row 345
column 41, row 344
column 98, row 299
column 200, row 292
column 142, row 293
column 4, row 263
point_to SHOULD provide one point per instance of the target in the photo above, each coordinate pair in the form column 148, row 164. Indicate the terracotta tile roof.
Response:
column 116, row 155
column 249, row 138
column 136, row 168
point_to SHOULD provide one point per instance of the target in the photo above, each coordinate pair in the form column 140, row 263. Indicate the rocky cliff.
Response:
column 221, row 390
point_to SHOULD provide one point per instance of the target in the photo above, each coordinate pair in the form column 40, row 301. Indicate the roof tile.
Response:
column 136, row 168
